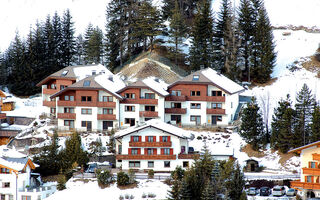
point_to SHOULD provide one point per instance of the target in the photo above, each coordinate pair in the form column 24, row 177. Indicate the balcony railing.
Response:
column 106, row 104
column 176, row 98
column 311, row 171
column 67, row 115
column 216, row 111
column 49, row 103
column 146, row 157
column 106, row 117
column 216, row 98
column 150, row 144
column 140, row 101
column 188, row 156
column 316, row 156
column 305, row 185
column 67, row 103
column 49, row 91
column 148, row 114
column 176, row 110
column 3, row 115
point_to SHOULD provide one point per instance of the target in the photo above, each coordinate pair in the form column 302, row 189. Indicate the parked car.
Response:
column 265, row 191
column 278, row 191
column 92, row 168
column 291, row 192
column 253, row 191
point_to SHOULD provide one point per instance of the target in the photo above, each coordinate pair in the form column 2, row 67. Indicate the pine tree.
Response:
column 112, row 46
column 236, row 183
column 252, row 128
column 315, row 126
column 68, row 40
column 93, row 45
column 79, row 47
column 111, row 144
column 174, row 192
column 56, row 42
column 305, row 103
column 177, row 29
column 185, row 193
column 207, row 193
column 201, row 51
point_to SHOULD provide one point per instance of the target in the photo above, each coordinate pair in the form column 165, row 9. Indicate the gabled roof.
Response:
column 151, row 83
column 14, row 160
column 2, row 94
column 77, row 72
column 109, row 83
column 299, row 149
column 211, row 77
column 157, row 124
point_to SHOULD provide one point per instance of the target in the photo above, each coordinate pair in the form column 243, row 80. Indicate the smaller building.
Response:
column 251, row 165
column 154, row 145
column 2, row 115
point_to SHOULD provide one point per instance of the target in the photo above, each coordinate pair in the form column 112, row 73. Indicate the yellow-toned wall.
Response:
column 9, row 106
column 306, row 157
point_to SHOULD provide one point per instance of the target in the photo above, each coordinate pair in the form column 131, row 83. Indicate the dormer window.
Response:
column 195, row 78
column 64, row 73
column 86, row 83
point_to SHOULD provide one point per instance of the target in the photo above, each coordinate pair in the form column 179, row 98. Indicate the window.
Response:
column 150, row 151
column 129, row 95
column 86, row 111
column 195, row 118
column 149, row 96
column 176, row 93
column 165, row 139
column 120, row 149
column 135, row 138
column 166, row 151
column 107, row 99
column 150, row 139
column 6, row 184
column 11, row 197
column 313, row 165
column 175, row 105
column 71, row 98
column 25, row 197
column 195, row 93
column 134, row 151
column 195, row 105
column 185, row 164
column 216, row 93
column 66, row 98
column 130, row 121
column 129, row 108
column 94, row 72
column 107, row 111
column 86, row 83
column 53, row 110
column 150, row 164
column 219, row 118
column 231, row 105
column 69, row 123
column 216, row 105
column 5, row 171
column 309, row 179
column 166, row 163
column 53, row 86
column 68, row 110
column 62, row 87
column 150, row 108
column 64, row 73
column 195, row 78
column 86, row 98
column 134, row 163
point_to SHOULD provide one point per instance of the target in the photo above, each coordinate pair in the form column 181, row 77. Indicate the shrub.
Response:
column 122, row 179
column 132, row 176
column 151, row 195
column 104, row 177
column 199, row 138
column 150, row 173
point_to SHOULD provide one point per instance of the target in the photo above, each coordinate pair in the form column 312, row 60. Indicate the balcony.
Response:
column 150, row 144
column 87, row 103
column 49, row 103
column 67, row 115
column 49, row 91
column 188, row 156
column 106, row 117
column 315, row 156
column 311, row 171
column 140, row 101
column 148, row 114
column 106, row 104
column 67, row 103
column 304, row 185
column 146, row 157
column 216, row 111
column 3, row 116
column 176, row 110
column 216, row 98
column 176, row 98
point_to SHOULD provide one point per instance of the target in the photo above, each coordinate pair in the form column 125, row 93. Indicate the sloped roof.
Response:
column 157, row 124
column 210, row 76
column 2, row 94
column 299, row 149
column 14, row 160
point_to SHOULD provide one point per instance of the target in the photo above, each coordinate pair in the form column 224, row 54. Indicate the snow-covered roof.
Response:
column 13, row 159
column 157, row 124
column 157, row 85
column 298, row 150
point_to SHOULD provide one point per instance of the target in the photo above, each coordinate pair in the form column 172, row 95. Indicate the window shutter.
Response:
column 130, row 153
column 169, row 138
column 155, row 151
column 154, row 138
column 309, row 164
column 131, row 138
column 139, row 151
column 306, row 179
column 139, row 138
column 146, row 139
column 145, row 151
column 171, row 151
column 162, row 151
column 161, row 139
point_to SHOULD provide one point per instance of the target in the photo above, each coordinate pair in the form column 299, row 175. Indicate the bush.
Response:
column 150, row 173
column 151, row 195
column 132, row 176
column 199, row 138
column 104, row 177
column 122, row 179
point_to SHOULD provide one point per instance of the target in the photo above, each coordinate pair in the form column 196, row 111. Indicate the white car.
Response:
column 278, row 191
column 253, row 191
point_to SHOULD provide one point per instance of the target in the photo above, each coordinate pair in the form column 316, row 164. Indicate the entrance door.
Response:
column 176, row 118
column 214, row 120
column 89, row 126
column 107, row 124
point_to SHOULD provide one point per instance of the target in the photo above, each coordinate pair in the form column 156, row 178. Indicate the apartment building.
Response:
column 2, row 115
column 154, row 145
column 309, row 183
column 205, row 97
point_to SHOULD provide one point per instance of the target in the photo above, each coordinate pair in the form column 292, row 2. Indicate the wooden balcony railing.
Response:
column 150, row 144
column 67, row 103
column 146, row 157
column 315, row 156
column 49, row 91
column 216, row 111
column 304, row 185
column 176, row 98
column 216, row 98
column 148, row 114
column 188, row 156
column 106, row 104
column 3, row 115
column 176, row 110
column 106, row 117
column 140, row 101
column 311, row 171
column 67, row 115
column 49, row 103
